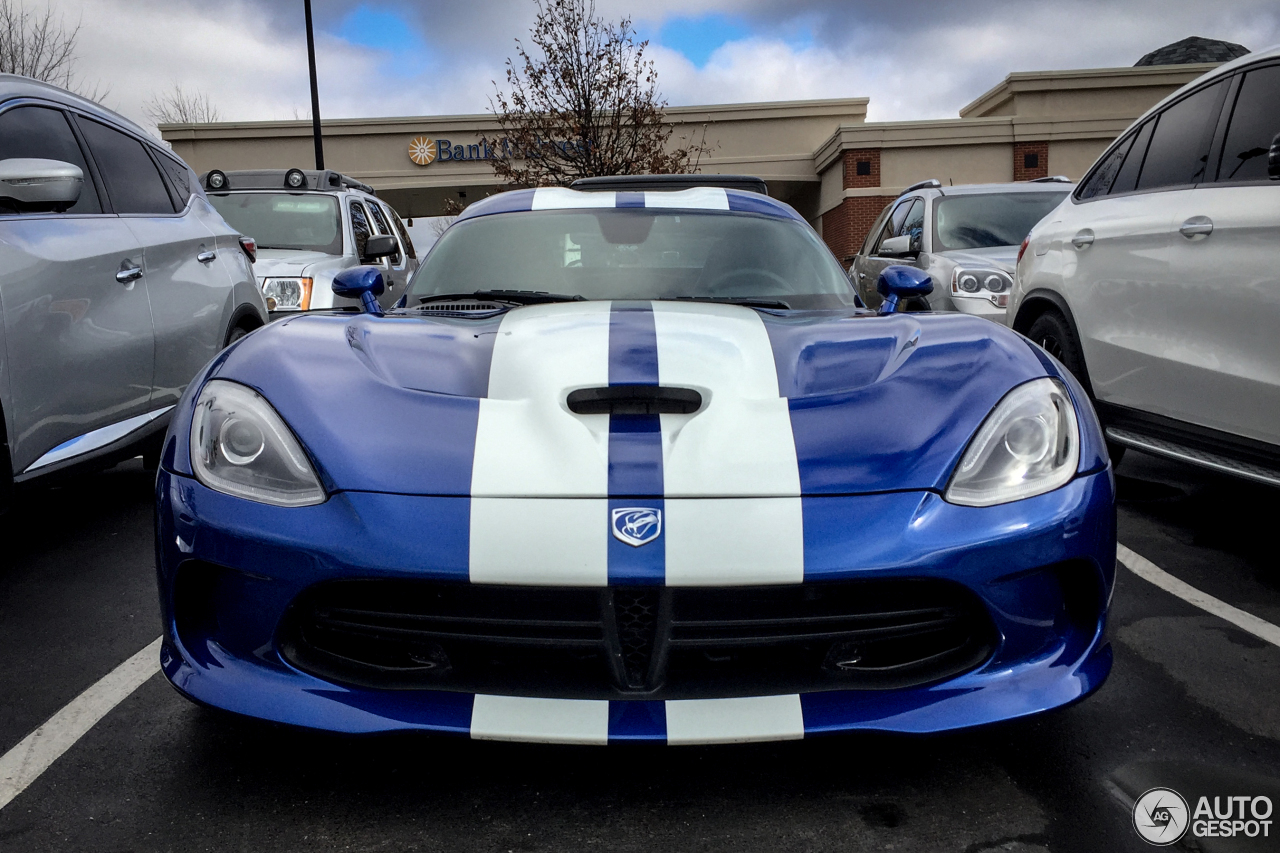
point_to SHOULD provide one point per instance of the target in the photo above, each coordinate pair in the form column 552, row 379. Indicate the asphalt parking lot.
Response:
column 1193, row 703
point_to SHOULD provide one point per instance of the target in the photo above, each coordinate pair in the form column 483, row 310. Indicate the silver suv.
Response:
column 1158, row 281
column 309, row 226
column 118, row 282
column 965, row 237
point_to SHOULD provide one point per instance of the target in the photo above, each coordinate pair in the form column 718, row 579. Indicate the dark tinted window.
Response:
column 1127, row 179
column 1180, row 145
column 45, row 134
column 360, row 227
column 1104, row 174
column 133, row 183
column 1255, row 121
column 179, row 178
column 384, row 228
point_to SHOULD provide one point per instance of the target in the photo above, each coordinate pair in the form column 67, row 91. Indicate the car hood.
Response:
column 287, row 262
column 998, row 257
column 801, row 402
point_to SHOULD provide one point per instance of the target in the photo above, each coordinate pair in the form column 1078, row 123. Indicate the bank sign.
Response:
column 425, row 151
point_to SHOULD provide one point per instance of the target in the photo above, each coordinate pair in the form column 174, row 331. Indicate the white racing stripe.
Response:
column 694, row 198
column 531, row 452
column 730, row 474
column 523, row 718
column 1149, row 571
column 33, row 755
column 754, row 718
column 563, row 198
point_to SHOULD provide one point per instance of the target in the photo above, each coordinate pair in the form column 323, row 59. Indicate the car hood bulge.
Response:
column 793, row 403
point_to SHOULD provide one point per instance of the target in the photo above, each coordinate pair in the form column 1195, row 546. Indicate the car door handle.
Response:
column 1196, row 227
column 1083, row 239
column 128, row 274
column 206, row 257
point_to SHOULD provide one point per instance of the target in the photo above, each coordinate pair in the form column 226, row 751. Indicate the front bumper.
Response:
column 1050, row 646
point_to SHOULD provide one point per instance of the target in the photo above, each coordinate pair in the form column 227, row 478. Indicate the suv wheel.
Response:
column 236, row 333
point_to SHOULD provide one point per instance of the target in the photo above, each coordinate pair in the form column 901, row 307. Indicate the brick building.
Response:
column 822, row 157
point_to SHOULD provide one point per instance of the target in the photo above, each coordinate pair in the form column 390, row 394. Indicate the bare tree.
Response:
column 586, row 104
column 177, row 106
column 441, row 223
column 41, row 46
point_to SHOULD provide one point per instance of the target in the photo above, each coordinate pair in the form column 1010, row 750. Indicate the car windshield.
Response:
column 989, row 220
column 636, row 254
column 284, row 220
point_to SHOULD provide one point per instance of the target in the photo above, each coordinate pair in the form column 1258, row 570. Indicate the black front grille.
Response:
column 643, row 642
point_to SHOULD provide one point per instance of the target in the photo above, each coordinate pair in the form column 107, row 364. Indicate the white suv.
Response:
column 1158, row 281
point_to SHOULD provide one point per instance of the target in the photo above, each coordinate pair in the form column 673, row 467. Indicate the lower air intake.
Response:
column 637, row 642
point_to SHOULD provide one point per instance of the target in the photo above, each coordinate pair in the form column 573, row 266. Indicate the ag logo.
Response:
column 1160, row 816
column 422, row 150
column 637, row 525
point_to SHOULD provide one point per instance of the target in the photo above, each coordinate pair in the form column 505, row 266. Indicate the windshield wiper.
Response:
column 522, row 297
column 749, row 301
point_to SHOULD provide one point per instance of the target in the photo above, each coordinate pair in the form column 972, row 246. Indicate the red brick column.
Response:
column 846, row 226
column 1030, row 160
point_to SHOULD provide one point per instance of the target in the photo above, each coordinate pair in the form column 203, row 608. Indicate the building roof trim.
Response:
column 1083, row 78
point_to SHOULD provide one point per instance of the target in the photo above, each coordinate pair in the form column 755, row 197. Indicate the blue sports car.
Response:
column 634, row 466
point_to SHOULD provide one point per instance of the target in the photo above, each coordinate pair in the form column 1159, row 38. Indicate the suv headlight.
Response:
column 987, row 284
column 1028, row 445
column 241, row 447
column 290, row 293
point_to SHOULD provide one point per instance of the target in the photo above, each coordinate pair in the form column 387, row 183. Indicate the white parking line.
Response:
column 1147, row 570
column 23, row 764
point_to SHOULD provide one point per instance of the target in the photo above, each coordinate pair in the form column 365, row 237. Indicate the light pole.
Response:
column 315, row 91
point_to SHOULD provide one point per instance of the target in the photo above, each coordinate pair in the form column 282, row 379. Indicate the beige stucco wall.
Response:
column 961, row 164
column 1073, row 157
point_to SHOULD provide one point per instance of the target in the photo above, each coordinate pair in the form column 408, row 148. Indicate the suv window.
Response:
column 133, row 183
column 891, row 228
column 383, row 228
column 405, row 239
column 914, row 224
column 1127, row 179
column 1180, row 144
column 1104, row 174
column 179, row 179
column 44, row 133
column 360, row 227
column 873, row 236
column 1255, row 122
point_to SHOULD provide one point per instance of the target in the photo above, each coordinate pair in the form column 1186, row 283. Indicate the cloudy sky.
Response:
column 913, row 58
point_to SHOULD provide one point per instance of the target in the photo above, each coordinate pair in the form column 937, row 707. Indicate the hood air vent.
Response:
column 634, row 400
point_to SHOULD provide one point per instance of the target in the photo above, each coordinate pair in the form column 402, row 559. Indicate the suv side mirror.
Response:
column 40, row 185
column 1273, row 157
column 379, row 246
column 897, row 247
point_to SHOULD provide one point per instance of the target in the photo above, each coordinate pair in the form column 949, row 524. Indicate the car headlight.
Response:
column 975, row 281
column 287, row 293
column 240, row 446
column 1028, row 445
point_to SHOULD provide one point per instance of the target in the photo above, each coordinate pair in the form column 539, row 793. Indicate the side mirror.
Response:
column 897, row 247
column 363, row 283
column 1273, row 157
column 899, row 282
column 40, row 185
column 379, row 246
